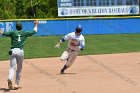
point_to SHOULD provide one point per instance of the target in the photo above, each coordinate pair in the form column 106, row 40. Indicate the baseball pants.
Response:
column 69, row 56
column 16, row 60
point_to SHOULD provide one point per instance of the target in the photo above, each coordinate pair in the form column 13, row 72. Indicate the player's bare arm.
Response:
column 1, row 31
column 35, row 25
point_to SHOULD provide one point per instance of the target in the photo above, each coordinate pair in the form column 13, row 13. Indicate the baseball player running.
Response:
column 76, row 42
column 18, row 39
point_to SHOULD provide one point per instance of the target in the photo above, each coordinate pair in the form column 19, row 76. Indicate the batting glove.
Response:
column 57, row 46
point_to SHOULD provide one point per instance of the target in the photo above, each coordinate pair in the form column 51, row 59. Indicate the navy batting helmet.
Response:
column 79, row 29
column 18, row 25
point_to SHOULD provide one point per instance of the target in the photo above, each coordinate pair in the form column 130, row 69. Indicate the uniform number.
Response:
column 19, row 38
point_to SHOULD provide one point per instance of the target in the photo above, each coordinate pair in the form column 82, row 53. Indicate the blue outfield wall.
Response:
column 90, row 26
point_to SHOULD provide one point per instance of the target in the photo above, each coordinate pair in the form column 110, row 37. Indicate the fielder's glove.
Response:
column 10, row 52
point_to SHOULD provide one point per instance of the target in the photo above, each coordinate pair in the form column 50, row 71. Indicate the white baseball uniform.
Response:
column 71, row 52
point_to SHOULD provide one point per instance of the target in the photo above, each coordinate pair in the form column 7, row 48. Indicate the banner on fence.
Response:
column 97, row 7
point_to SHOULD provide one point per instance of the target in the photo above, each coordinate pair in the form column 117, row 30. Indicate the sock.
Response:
column 64, row 68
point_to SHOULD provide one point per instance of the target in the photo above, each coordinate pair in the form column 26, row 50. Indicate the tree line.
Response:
column 26, row 9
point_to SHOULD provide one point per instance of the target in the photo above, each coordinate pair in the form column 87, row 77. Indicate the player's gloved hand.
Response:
column 57, row 46
column 81, row 49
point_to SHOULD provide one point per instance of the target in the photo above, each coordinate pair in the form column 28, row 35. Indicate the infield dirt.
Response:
column 107, row 73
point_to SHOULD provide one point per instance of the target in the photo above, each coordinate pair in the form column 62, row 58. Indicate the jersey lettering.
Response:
column 19, row 38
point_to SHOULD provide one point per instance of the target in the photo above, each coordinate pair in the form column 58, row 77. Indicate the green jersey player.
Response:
column 18, row 39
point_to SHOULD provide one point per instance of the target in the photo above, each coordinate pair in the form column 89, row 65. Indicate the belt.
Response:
column 72, row 50
column 19, row 48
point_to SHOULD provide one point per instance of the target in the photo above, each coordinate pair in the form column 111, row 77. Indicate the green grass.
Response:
column 43, row 46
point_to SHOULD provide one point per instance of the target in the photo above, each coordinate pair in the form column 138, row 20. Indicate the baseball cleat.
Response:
column 10, row 86
column 16, row 87
column 62, row 72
